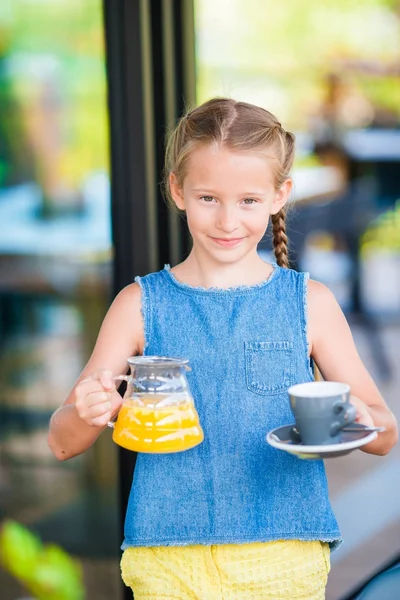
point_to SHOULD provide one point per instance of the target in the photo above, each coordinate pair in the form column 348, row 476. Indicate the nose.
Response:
column 226, row 220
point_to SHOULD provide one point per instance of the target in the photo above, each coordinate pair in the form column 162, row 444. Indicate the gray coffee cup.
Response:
column 321, row 410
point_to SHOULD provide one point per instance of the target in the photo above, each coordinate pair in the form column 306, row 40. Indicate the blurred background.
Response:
column 331, row 72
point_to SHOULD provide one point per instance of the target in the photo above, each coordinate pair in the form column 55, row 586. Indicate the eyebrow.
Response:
column 259, row 193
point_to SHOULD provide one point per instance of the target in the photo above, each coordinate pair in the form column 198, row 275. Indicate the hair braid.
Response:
column 279, row 238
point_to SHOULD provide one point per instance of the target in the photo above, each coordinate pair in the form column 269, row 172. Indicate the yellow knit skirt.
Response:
column 281, row 570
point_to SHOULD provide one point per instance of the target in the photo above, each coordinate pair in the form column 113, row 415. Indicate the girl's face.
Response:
column 228, row 198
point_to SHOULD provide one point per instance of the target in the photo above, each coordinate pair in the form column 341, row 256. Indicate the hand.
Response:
column 363, row 416
column 95, row 401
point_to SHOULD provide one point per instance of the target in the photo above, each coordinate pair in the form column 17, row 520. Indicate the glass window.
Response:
column 55, row 273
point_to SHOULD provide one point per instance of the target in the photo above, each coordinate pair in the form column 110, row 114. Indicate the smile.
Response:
column 227, row 242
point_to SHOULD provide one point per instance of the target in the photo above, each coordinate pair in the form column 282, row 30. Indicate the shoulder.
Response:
column 325, row 316
column 126, row 304
column 319, row 295
column 129, row 298
column 131, row 295
column 125, row 310
column 321, row 301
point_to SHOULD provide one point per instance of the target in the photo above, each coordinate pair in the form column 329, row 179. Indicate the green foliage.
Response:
column 383, row 234
column 278, row 54
column 52, row 75
column 46, row 571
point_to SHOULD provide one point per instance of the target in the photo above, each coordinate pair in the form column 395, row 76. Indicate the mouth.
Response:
column 227, row 242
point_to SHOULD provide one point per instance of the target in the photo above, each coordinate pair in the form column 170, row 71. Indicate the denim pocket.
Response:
column 269, row 367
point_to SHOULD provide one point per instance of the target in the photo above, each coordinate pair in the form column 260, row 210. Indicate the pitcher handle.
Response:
column 117, row 378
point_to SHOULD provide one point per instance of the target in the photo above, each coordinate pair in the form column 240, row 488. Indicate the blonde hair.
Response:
column 238, row 126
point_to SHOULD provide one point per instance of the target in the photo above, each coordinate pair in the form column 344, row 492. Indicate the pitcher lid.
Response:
column 157, row 361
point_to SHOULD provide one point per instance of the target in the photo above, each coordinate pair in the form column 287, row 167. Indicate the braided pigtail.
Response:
column 279, row 238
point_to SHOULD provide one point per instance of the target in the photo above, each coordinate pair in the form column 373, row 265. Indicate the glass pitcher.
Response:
column 157, row 414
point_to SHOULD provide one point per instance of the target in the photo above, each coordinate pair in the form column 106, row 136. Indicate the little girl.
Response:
column 232, row 518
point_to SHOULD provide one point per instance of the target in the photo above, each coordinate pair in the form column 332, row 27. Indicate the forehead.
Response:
column 214, row 164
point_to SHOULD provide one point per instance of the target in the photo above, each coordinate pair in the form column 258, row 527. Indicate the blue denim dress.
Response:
column 246, row 346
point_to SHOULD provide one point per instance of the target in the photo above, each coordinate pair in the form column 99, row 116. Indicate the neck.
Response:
column 198, row 270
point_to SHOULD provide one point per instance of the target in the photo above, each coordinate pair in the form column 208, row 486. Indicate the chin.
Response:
column 228, row 257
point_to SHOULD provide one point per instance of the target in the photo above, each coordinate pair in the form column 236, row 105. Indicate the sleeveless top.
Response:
column 246, row 345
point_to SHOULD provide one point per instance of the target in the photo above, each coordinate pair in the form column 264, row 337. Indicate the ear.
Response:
column 176, row 191
column 281, row 196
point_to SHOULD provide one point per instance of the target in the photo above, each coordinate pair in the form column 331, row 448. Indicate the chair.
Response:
column 384, row 586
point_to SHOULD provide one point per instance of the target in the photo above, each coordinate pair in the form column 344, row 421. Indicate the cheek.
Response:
column 257, row 223
column 196, row 219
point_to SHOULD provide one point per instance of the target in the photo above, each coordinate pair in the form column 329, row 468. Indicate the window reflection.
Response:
column 55, row 271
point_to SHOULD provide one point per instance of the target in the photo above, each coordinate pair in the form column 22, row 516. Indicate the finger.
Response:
column 85, row 404
column 98, row 374
column 87, row 412
column 102, row 420
column 86, row 396
column 96, row 398
column 107, row 380
column 116, row 402
column 94, row 384
column 99, row 410
column 88, row 386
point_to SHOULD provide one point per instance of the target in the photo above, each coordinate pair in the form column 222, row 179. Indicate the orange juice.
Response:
column 156, row 428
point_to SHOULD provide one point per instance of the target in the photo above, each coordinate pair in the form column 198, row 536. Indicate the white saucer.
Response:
column 350, row 440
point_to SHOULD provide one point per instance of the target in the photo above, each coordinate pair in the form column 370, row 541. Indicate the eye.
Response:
column 249, row 201
column 207, row 199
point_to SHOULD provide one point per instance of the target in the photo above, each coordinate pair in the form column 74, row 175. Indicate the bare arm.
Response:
column 335, row 353
column 76, row 425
